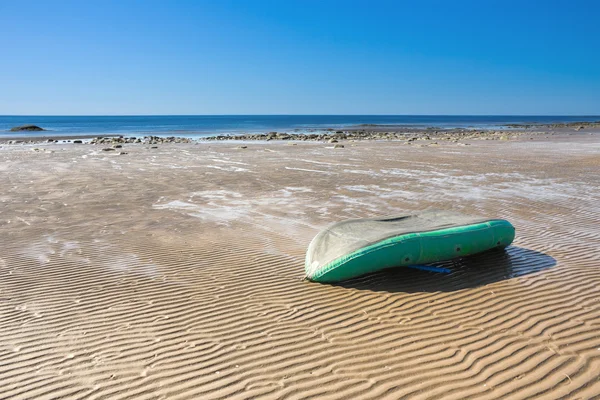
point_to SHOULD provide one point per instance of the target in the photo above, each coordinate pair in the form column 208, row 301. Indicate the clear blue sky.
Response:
column 299, row 57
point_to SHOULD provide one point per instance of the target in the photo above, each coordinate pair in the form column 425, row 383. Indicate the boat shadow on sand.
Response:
column 462, row 273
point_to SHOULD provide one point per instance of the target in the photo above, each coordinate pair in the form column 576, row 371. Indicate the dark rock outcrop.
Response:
column 29, row 128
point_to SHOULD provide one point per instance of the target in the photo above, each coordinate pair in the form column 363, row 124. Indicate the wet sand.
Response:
column 176, row 273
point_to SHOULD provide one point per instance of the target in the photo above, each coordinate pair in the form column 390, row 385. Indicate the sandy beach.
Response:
column 177, row 272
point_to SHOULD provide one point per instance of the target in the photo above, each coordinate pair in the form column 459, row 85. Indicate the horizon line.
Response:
column 301, row 115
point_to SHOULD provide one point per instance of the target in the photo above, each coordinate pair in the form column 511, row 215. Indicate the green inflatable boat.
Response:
column 357, row 247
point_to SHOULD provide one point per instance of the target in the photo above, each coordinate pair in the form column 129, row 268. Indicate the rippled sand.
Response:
column 176, row 273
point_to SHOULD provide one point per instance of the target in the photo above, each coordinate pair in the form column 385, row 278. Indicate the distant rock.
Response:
column 30, row 128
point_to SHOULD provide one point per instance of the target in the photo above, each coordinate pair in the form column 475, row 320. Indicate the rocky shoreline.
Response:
column 103, row 140
column 328, row 135
column 350, row 133
column 333, row 136
column 575, row 125
column 151, row 140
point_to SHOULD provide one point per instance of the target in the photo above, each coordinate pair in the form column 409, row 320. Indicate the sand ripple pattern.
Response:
column 176, row 273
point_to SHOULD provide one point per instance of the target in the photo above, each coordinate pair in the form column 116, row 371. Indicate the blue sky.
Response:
column 299, row 57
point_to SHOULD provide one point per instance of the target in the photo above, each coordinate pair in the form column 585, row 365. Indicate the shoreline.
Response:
column 329, row 134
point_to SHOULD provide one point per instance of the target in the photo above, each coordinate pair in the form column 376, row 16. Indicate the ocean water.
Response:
column 204, row 125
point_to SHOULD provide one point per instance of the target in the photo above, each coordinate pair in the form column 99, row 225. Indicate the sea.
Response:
column 206, row 125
